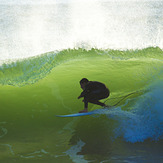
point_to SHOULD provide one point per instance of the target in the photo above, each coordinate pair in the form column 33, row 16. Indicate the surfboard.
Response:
column 76, row 114
column 97, row 111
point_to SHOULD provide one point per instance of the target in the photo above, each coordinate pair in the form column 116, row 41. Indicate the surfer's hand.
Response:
column 79, row 97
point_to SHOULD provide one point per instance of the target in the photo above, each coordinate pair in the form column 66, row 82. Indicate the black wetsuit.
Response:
column 93, row 92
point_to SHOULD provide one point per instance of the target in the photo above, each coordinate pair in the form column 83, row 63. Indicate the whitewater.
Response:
column 34, row 28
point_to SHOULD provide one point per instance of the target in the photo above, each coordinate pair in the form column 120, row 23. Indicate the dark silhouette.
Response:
column 93, row 91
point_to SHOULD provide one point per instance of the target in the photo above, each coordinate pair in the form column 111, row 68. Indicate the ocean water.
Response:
column 46, row 48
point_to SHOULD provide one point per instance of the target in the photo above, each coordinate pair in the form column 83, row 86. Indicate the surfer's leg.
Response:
column 97, row 102
column 85, row 103
column 94, row 97
column 85, row 106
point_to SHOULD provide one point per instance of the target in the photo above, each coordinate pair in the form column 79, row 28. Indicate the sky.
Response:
column 54, row 1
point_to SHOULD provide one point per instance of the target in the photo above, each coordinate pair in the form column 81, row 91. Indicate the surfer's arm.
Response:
column 86, row 91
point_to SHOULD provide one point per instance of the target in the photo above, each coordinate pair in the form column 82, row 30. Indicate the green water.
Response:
column 34, row 90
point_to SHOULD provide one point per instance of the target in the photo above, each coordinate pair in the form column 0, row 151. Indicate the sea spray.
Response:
column 144, row 121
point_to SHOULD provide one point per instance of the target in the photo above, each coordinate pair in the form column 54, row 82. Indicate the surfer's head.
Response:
column 83, row 82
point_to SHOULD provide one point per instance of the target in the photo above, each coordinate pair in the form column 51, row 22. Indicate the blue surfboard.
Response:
column 97, row 111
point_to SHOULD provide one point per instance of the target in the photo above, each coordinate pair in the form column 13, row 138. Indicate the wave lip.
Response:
column 30, row 70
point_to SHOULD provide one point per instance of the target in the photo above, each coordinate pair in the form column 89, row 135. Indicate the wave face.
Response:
column 34, row 90
column 46, row 49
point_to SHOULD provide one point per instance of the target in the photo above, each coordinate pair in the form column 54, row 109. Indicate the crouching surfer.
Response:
column 93, row 91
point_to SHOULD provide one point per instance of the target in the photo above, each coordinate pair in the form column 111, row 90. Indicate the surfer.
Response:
column 93, row 91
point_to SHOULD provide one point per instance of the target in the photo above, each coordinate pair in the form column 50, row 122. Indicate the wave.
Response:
column 30, row 70
column 144, row 121
column 35, row 89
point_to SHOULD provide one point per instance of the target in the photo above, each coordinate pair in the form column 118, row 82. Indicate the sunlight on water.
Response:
column 118, row 43
column 29, row 30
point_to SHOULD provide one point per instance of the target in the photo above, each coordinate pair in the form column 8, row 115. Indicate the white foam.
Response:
column 29, row 30
column 72, row 152
column 144, row 121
